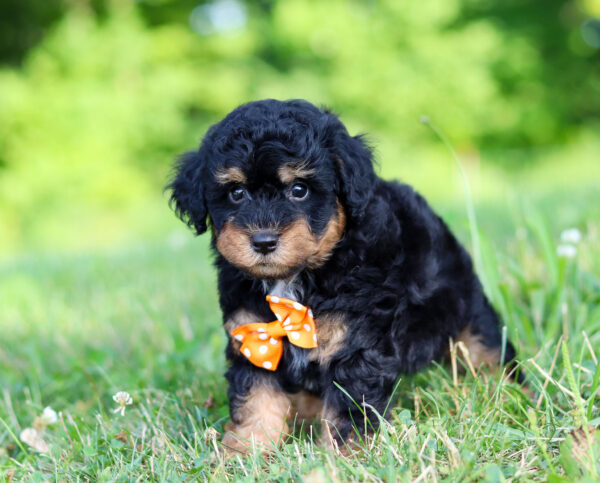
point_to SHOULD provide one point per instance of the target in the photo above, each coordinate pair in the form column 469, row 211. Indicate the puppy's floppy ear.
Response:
column 354, row 164
column 187, row 190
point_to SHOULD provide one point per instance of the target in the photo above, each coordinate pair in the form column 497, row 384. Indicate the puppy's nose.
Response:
column 265, row 241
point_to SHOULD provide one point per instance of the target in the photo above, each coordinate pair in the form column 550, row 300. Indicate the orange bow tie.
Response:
column 262, row 343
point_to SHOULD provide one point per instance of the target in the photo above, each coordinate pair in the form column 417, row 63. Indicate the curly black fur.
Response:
column 402, row 282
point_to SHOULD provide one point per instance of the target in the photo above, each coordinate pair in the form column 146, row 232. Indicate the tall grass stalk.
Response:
column 472, row 218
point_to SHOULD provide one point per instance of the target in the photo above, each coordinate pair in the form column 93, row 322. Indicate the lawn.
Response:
column 76, row 329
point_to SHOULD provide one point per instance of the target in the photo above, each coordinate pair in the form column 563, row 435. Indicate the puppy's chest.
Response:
column 295, row 358
column 290, row 289
column 299, row 367
column 303, row 366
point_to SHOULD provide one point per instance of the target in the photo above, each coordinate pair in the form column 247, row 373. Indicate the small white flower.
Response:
column 566, row 250
column 572, row 235
column 123, row 399
column 49, row 416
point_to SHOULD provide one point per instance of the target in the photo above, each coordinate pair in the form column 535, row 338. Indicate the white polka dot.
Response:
column 267, row 365
column 310, row 312
column 298, row 306
column 287, row 321
column 315, row 337
column 239, row 337
column 278, row 317
column 307, row 327
column 263, row 349
column 273, row 341
column 294, row 335
column 260, row 330
column 287, row 327
column 247, row 352
column 263, row 336
column 274, row 299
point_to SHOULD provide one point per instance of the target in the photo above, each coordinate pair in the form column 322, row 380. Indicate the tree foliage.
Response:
column 97, row 97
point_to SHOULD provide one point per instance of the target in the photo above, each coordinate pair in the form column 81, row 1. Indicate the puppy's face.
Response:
column 275, row 213
column 278, row 181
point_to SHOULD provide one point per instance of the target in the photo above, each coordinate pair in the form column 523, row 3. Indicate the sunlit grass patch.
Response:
column 78, row 329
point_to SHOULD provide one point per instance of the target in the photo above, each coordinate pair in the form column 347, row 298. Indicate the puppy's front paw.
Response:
column 233, row 444
column 258, row 420
column 243, row 441
column 230, row 447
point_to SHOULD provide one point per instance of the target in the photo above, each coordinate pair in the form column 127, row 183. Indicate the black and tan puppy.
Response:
column 297, row 211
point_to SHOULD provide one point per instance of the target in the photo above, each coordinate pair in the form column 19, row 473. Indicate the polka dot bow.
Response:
column 262, row 343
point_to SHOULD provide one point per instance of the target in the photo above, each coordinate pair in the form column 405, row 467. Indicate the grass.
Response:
column 78, row 328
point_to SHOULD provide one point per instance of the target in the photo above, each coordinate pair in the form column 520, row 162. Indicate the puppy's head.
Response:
column 279, row 182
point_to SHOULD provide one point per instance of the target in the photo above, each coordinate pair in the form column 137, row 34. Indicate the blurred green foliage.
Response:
column 97, row 97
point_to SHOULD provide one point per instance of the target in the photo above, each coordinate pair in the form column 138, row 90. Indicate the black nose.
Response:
column 265, row 241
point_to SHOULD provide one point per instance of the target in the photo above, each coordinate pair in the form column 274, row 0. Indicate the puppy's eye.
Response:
column 298, row 191
column 237, row 194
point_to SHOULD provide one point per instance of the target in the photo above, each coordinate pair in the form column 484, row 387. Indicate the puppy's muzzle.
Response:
column 264, row 241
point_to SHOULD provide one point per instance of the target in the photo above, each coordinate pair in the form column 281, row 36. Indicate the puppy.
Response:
column 297, row 213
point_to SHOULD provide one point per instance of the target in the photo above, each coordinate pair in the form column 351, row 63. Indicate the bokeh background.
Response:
column 97, row 97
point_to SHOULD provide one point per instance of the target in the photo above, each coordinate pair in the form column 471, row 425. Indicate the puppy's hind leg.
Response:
column 482, row 338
